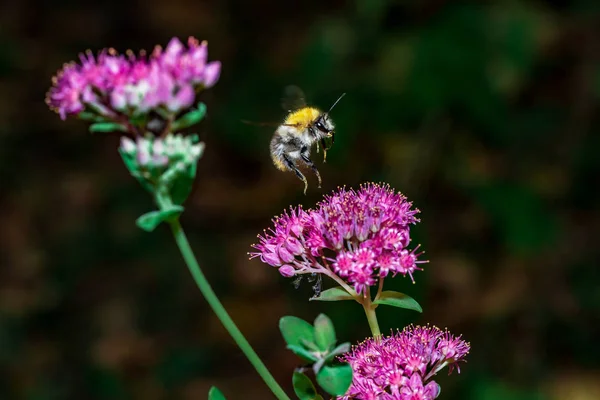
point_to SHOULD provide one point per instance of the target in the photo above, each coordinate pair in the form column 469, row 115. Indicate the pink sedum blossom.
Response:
column 110, row 84
column 359, row 235
column 400, row 366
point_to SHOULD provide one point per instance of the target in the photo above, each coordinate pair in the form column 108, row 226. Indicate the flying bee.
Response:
column 303, row 127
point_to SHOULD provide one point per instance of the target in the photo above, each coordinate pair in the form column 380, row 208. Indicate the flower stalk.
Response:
column 369, row 308
column 191, row 262
column 372, row 319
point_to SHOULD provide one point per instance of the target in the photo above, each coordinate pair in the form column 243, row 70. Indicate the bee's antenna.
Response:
column 337, row 101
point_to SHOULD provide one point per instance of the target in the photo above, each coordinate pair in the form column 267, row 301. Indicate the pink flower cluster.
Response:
column 400, row 366
column 360, row 235
column 112, row 84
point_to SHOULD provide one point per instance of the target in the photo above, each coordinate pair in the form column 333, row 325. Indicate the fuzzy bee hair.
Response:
column 292, row 141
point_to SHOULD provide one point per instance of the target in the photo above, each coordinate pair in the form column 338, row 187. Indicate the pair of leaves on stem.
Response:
column 316, row 344
column 387, row 297
column 103, row 125
column 151, row 220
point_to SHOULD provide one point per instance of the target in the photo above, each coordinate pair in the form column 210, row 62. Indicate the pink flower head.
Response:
column 113, row 84
column 65, row 97
column 360, row 235
column 400, row 366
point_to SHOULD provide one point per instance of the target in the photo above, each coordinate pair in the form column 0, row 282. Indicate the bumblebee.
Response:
column 303, row 127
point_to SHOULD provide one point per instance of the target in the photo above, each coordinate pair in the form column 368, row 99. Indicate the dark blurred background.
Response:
column 484, row 114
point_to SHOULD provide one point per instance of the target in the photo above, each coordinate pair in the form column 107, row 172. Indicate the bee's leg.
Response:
column 325, row 148
column 290, row 164
column 312, row 166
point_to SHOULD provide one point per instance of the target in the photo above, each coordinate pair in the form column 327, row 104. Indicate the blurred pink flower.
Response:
column 111, row 83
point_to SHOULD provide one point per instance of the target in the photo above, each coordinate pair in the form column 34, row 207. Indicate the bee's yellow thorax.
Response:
column 303, row 117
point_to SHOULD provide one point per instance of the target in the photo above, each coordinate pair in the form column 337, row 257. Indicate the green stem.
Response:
column 373, row 324
column 364, row 301
column 379, row 289
column 212, row 299
column 372, row 318
column 343, row 284
column 371, row 315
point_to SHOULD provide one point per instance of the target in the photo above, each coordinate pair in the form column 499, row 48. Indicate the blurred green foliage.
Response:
column 485, row 114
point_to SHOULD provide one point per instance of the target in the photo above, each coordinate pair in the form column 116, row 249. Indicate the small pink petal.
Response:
column 198, row 53
column 271, row 259
column 118, row 99
column 212, row 73
column 183, row 99
column 173, row 50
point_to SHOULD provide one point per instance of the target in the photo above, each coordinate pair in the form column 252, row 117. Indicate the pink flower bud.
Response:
column 294, row 246
column 285, row 255
column 287, row 270
column 271, row 259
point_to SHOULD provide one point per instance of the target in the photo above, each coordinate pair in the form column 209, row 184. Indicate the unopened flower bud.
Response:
column 287, row 271
column 128, row 145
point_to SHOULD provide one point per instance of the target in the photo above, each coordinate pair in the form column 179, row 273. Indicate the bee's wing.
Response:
column 293, row 98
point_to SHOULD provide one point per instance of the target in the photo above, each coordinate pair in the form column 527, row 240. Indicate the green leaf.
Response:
column 311, row 346
column 88, row 116
column 191, row 118
column 397, row 299
column 324, row 332
column 180, row 182
column 129, row 161
column 295, row 330
column 107, row 127
column 303, row 386
column 334, row 294
column 182, row 186
column 302, row 353
column 215, row 394
column 335, row 380
column 151, row 220
column 131, row 165
column 338, row 351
